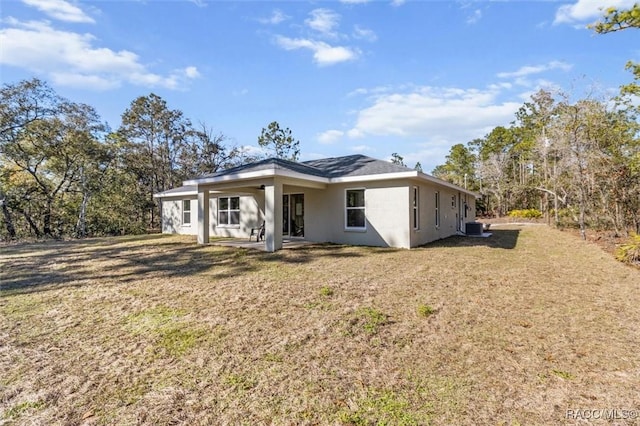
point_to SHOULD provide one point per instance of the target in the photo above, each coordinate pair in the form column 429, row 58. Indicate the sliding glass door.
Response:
column 293, row 215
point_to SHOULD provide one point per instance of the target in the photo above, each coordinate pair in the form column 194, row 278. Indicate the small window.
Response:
column 453, row 201
column 229, row 211
column 355, row 212
column 186, row 212
column 437, row 209
column 416, row 208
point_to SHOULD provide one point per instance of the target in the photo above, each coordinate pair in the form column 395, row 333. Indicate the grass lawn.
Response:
column 514, row 329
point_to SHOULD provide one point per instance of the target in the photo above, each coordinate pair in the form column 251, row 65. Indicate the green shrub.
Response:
column 326, row 291
column 526, row 214
column 371, row 319
column 629, row 252
column 425, row 311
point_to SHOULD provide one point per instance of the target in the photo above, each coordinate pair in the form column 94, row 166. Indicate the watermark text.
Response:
column 602, row 414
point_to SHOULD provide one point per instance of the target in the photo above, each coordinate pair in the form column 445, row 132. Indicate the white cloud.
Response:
column 585, row 10
column 277, row 17
column 330, row 136
column 191, row 72
column 72, row 59
column 361, row 91
column 452, row 114
column 475, row 17
column 536, row 69
column 364, row 34
column 323, row 53
column 61, row 10
column 397, row 2
column 94, row 82
column 354, row 1
column 325, row 21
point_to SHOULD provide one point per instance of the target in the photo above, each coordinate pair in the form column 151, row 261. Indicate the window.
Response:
column 229, row 211
column 437, row 209
column 186, row 212
column 453, row 201
column 355, row 216
column 416, row 208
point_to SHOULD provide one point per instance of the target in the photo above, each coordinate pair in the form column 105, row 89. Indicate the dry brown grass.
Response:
column 514, row 329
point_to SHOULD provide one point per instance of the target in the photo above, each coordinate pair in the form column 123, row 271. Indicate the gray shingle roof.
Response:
column 268, row 164
column 355, row 165
column 351, row 165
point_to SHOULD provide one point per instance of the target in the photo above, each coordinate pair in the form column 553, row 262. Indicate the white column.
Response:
column 273, row 216
column 203, row 215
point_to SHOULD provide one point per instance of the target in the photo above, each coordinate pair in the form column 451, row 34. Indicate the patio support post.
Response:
column 273, row 216
column 203, row 215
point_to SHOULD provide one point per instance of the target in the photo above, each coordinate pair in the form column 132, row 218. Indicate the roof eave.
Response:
column 374, row 177
column 435, row 180
column 256, row 175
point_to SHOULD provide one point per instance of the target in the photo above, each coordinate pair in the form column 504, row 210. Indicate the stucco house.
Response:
column 354, row 200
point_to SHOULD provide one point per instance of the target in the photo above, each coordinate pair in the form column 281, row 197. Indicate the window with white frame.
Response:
column 437, row 209
column 355, row 211
column 186, row 212
column 416, row 208
column 228, row 211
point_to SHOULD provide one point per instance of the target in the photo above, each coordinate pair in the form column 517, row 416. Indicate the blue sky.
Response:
column 371, row 77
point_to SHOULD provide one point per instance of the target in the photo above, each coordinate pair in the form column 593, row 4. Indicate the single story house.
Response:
column 354, row 200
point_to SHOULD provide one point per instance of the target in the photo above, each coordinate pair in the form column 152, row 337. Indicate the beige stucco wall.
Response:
column 389, row 214
column 172, row 216
column 388, row 209
column 452, row 213
column 251, row 216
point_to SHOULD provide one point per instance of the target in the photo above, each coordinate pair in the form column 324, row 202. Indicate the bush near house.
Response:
column 526, row 214
column 629, row 252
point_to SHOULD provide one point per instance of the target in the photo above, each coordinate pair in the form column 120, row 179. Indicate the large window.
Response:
column 355, row 217
column 229, row 211
column 416, row 208
column 186, row 212
column 437, row 209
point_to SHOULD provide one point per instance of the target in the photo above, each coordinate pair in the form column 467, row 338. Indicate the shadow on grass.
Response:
column 500, row 239
column 34, row 267
column 308, row 253
column 120, row 260
column 78, row 263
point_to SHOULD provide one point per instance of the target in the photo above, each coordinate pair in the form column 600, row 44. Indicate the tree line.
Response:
column 576, row 161
column 64, row 172
column 573, row 161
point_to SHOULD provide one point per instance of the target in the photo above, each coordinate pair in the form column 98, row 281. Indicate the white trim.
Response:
column 256, row 175
column 450, row 185
column 184, row 224
column 228, row 210
column 376, row 177
column 279, row 172
column 364, row 208
column 415, row 207
column 175, row 194
column 437, row 209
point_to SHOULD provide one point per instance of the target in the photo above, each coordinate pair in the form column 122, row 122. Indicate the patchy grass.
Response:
column 521, row 327
column 425, row 311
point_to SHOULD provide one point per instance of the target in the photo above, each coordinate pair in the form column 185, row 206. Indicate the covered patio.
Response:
column 267, row 187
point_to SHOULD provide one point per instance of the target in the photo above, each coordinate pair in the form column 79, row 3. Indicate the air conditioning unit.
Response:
column 473, row 228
